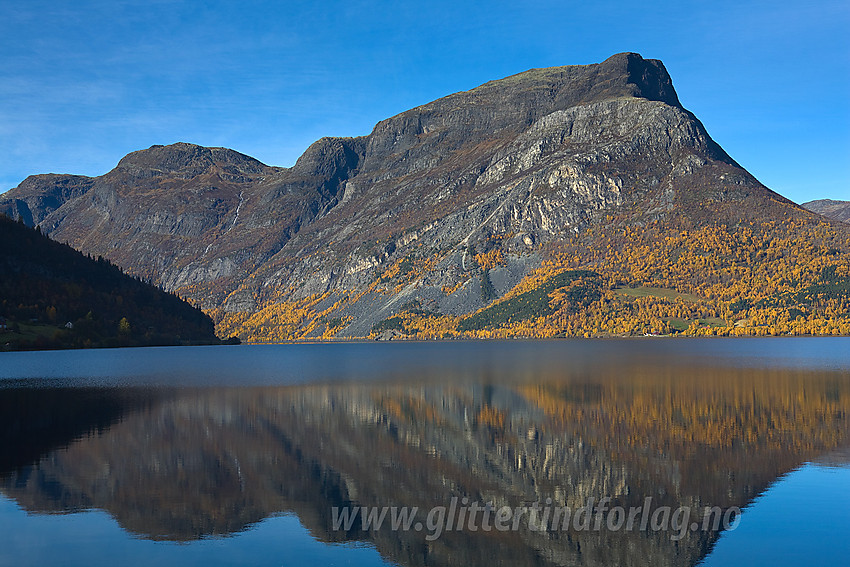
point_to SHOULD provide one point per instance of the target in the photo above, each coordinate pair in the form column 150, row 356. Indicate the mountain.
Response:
column 52, row 296
column 837, row 210
column 460, row 208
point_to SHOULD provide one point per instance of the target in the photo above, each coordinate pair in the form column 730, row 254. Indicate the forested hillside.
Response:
column 52, row 296
column 759, row 279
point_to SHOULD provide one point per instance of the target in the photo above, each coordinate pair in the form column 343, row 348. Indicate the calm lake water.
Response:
column 633, row 452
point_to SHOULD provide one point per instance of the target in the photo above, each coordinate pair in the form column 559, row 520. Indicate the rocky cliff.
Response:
column 507, row 168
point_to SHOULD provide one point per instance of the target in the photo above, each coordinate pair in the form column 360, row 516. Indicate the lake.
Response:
column 597, row 452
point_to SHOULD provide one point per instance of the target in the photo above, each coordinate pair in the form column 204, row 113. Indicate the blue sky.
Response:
column 84, row 83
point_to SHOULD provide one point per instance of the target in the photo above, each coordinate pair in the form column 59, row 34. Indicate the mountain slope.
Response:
column 52, row 296
column 439, row 211
column 837, row 210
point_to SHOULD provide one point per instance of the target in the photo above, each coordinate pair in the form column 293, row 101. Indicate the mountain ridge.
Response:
column 830, row 208
column 510, row 168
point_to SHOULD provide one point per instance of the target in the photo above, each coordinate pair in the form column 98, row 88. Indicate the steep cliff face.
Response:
column 39, row 195
column 520, row 162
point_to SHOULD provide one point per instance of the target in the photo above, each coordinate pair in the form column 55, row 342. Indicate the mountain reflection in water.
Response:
column 182, row 464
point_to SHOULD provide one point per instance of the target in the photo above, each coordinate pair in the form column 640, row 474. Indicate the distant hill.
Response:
column 462, row 217
column 52, row 296
column 837, row 210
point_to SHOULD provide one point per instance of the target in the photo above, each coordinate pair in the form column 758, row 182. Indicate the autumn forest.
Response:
column 770, row 278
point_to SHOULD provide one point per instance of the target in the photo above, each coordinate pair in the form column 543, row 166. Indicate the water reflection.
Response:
column 181, row 464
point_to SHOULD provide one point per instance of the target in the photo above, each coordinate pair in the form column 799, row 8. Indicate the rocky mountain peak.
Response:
column 647, row 78
column 505, row 107
column 329, row 154
column 621, row 75
column 187, row 160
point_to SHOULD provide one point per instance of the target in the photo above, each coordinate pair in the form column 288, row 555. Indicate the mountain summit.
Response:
column 439, row 212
